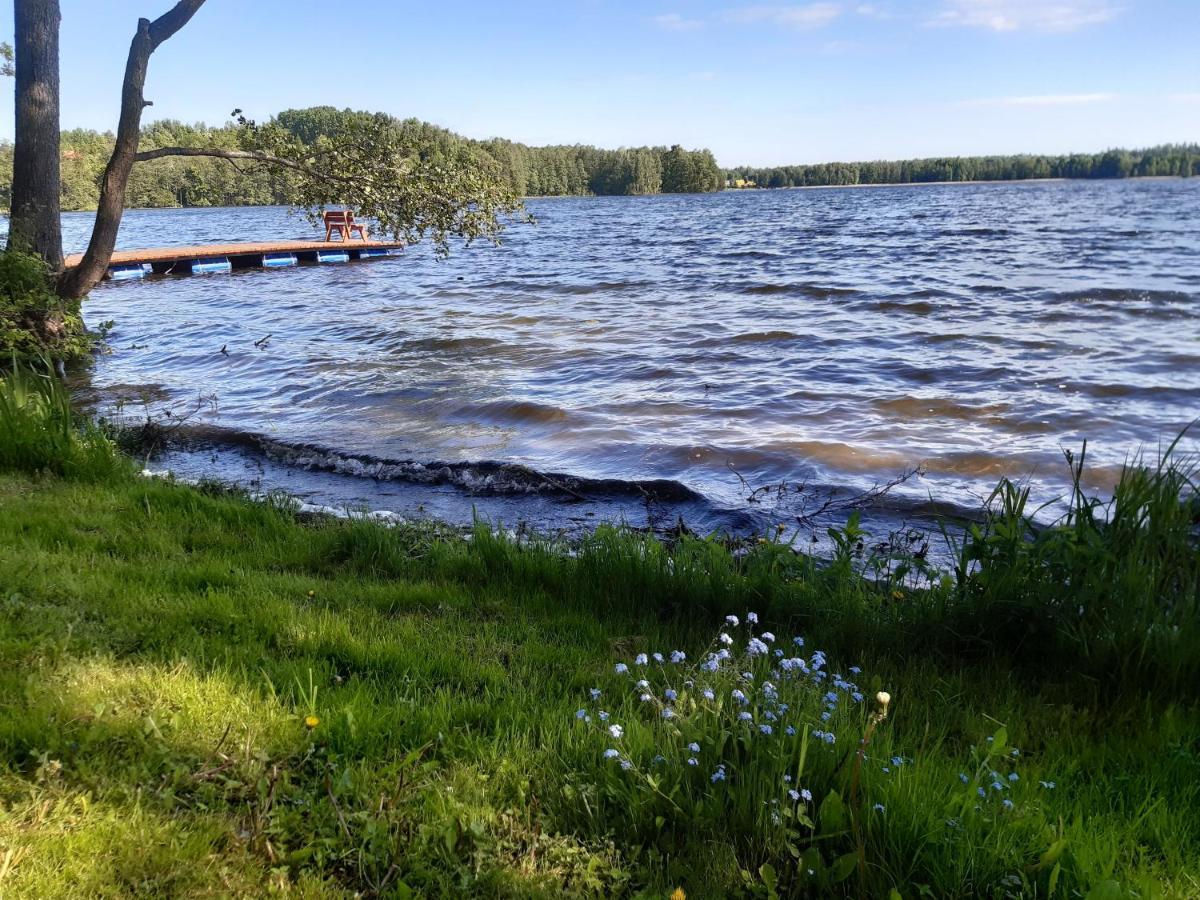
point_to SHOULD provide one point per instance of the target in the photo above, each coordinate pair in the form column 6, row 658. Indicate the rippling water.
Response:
column 690, row 347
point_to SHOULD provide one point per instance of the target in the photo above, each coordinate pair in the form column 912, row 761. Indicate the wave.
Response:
column 478, row 477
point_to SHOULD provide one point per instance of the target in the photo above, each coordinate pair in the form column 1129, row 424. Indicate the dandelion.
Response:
column 694, row 747
column 678, row 894
column 670, row 694
column 732, row 621
column 725, row 639
column 611, row 753
column 883, row 698
column 311, row 722
column 678, row 656
column 620, row 668
column 668, row 713
column 595, row 692
column 806, row 795
column 616, row 731
column 641, row 660
column 752, row 618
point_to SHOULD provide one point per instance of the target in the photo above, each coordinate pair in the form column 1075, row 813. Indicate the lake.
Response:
column 734, row 360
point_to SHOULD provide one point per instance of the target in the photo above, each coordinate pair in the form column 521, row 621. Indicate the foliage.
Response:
column 1168, row 159
column 34, row 320
column 199, row 181
column 39, row 433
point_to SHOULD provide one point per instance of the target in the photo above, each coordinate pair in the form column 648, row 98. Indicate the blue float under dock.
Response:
column 219, row 258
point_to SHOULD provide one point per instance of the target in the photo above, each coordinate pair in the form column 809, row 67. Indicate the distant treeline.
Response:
column 195, row 181
column 1169, row 159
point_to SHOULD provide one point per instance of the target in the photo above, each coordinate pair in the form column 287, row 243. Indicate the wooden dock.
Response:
column 208, row 258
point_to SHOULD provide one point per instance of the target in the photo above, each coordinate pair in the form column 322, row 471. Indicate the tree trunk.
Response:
column 34, row 223
column 77, row 281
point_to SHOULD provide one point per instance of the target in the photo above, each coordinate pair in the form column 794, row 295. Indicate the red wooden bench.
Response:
column 342, row 221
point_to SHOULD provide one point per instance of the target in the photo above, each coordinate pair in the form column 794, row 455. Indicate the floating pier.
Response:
column 213, row 258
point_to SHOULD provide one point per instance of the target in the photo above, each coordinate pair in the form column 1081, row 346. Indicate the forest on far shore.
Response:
column 567, row 170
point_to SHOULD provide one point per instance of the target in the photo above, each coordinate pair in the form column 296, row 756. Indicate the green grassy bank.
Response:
column 202, row 695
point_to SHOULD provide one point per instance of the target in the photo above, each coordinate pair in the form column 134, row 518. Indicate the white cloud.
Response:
column 814, row 15
column 1041, row 100
column 1015, row 15
column 676, row 22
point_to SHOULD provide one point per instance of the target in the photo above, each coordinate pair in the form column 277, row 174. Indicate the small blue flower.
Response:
column 787, row 779
column 765, row 729
column 694, row 747
column 718, row 775
column 678, row 656
column 962, row 776
column 616, row 730
column 756, row 647
column 657, row 657
column 670, row 694
column 997, row 786
column 897, row 761
column 739, row 697
column 789, row 731
column 732, row 621
column 708, row 694
column 711, row 664
column 768, row 637
column 602, row 715
column 778, row 653
column 646, row 698
column 580, row 713
column 692, row 761
column 1007, row 804
column 825, row 717
column 856, row 697
column 752, row 618
column 855, row 670
column 879, row 807
column 745, row 716
column 643, row 684
column 981, row 792
column 1048, row 785
column 620, row 668
column 798, row 641
column 806, row 795
column 794, row 794
column 668, row 713
column 626, row 765
column 595, row 692
column 642, row 660
column 886, row 771
column 1013, row 776
column 724, row 639
column 610, row 753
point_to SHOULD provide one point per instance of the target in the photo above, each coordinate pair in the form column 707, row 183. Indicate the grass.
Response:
column 205, row 695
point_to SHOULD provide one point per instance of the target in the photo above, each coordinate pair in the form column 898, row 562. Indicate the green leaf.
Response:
column 767, row 873
column 833, row 813
column 1106, row 890
column 843, row 866
column 1053, row 852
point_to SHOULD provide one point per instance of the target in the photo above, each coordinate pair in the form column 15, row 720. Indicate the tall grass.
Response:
column 40, row 433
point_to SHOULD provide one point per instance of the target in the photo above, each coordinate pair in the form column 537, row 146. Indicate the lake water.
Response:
column 683, row 356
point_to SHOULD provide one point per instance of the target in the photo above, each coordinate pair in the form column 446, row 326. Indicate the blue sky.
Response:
column 757, row 83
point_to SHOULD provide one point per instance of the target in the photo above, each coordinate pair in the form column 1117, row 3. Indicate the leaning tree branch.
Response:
column 150, row 36
column 252, row 155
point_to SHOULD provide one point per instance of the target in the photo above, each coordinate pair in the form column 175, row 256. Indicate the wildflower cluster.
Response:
column 994, row 786
column 754, row 722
